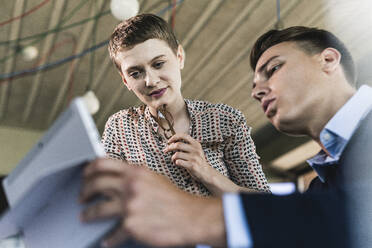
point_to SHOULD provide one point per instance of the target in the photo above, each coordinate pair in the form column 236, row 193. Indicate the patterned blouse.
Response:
column 132, row 135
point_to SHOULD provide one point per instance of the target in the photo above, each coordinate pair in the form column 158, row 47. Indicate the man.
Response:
column 303, row 79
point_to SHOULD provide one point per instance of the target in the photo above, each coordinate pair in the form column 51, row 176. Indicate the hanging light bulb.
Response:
column 124, row 9
column 91, row 102
column 29, row 53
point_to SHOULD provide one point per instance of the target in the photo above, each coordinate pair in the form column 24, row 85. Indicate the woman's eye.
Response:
column 158, row 65
column 134, row 74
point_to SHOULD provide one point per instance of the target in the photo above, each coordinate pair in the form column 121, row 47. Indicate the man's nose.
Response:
column 259, row 91
column 152, row 78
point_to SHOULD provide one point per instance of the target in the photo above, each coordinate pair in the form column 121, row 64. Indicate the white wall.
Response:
column 14, row 145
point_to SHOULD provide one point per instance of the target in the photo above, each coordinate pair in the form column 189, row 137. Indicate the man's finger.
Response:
column 104, row 185
column 104, row 165
column 102, row 209
column 117, row 236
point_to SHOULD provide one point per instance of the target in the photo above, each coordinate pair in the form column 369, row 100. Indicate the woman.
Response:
column 203, row 148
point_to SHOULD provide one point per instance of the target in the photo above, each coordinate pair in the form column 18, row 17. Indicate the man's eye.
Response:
column 273, row 69
column 158, row 65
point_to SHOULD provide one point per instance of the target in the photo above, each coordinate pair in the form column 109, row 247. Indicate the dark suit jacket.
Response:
column 3, row 200
column 335, row 214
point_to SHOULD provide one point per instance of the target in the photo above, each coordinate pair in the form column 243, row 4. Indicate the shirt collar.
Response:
column 346, row 120
column 192, row 113
column 340, row 128
column 151, row 120
column 203, row 124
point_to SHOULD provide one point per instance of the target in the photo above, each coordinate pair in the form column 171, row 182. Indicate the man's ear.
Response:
column 125, row 81
column 181, row 56
column 330, row 59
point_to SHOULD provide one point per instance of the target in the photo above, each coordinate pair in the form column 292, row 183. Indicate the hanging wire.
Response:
column 92, row 56
column 71, row 72
column 24, row 14
column 71, row 39
column 153, row 5
column 7, row 76
column 53, row 64
column 72, row 13
column 17, row 50
column 173, row 14
column 54, row 30
column 55, row 47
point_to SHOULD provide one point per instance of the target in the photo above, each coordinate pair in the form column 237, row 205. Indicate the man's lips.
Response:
column 157, row 93
column 266, row 104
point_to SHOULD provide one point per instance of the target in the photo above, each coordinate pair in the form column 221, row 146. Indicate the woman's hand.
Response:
column 189, row 154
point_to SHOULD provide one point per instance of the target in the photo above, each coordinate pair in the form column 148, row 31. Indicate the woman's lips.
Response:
column 158, row 93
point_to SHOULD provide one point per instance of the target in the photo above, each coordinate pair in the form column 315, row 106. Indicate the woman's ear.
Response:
column 125, row 81
column 330, row 59
column 181, row 56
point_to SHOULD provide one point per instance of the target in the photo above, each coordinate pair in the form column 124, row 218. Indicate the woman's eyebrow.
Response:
column 157, row 57
column 134, row 68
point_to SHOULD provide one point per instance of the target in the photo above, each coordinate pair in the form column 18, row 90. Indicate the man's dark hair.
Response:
column 138, row 29
column 310, row 40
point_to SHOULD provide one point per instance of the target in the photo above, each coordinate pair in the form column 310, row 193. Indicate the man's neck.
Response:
column 336, row 100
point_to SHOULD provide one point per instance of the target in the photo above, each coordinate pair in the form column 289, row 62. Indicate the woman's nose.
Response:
column 152, row 79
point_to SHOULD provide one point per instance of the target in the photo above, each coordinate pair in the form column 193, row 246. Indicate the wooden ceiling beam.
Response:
column 240, row 57
column 204, row 18
column 101, row 73
column 224, row 37
column 48, row 43
column 15, row 28
column 83, row 40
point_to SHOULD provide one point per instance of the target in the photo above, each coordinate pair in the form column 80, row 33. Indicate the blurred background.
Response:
column 54, row 50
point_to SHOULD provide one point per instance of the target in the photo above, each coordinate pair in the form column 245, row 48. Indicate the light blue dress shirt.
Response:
column 338, row 131
column 334, row 137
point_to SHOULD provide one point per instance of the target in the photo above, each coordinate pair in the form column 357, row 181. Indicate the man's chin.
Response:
column 286, row 127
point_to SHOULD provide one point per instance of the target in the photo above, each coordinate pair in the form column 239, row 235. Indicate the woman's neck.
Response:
column 180, row 115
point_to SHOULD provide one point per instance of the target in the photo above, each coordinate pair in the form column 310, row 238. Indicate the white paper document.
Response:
column 43, row 189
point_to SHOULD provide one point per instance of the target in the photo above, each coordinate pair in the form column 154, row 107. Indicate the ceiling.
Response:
column 217, row 36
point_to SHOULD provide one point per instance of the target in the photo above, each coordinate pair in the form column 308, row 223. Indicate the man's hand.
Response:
column 150, row 208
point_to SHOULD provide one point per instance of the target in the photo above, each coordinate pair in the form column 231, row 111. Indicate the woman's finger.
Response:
column 183, row 163
column 181, row 155
column 178, row 146
column 181, row 137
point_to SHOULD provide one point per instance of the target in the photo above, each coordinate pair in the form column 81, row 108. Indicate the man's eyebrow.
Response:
column 262, row 67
